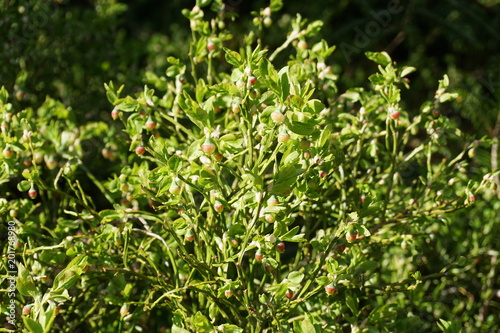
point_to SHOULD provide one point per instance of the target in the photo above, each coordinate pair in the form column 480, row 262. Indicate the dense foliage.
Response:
column 254, row 179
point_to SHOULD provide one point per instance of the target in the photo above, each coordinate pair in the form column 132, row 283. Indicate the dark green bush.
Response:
column 244, row 188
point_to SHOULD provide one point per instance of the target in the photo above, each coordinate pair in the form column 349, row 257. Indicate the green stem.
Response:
column 272, row 159
column 42, row 185
column 168, row 250
column 331, row 245
column 210, row 69
column 392, row 169
column 290, row 39
column 191, row 55
column 177, row 125
column 250, row 229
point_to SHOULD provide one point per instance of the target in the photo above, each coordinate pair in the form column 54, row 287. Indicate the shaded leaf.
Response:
column 381, row 58
column 32, row 325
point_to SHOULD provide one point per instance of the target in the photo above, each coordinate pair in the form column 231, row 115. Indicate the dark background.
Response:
column 69, row 49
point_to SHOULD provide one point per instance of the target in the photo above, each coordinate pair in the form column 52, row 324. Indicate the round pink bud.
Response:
column 218, row 206
column 280, row 247
column 208, row 147
column 115, row 114
column 32, row 193
column 395, row 114
column 140, row 150
column 150, row 124
column 330, row 289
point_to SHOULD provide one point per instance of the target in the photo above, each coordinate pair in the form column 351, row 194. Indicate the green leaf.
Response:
column 32, row 325
column 298, row 103
column 323, row 280
column 178, row 318
column 407, row 70
column 279, row 290
column 362, row 230
column 315, row 106
column 324, row 136
column 227, row 328
column 110, row 92
column 232, row 57
column 313, row 28
column 304, row 326
column 47, row 318
column 71, row 251
column 444, row 83
column 17, row 146
column 23, row 186
column 175, row 163
column 109, row 215
column 68, row 276
column 352, row 95
column 370, row 210
column 267, row 70
column 449, row 326
column 177, row 329
column 381, row 58
column 352, row 304
column 276, row 5
column 443, row 324
column 59, row 296
column 300, row 123
column 292, row 232
column 292, row 236
column 25, row 283
column 127, row 104
column 354, row 216
column 295, row 239
column 377, row 79
column 257, row 54
column 295, row 277
column 173, row 60
column 195, row 113
column 447, row 97
column 4, row 96
column 173, row 71
column 201, row 323
column 322, row 49
column 284, row 83
column 291, row 159
column 26, row 286
column 301, row 128
column 213, row 311
column 187, row 13
column 280, row 228
column 203, row 3
column 201, row 91
column 284, row 179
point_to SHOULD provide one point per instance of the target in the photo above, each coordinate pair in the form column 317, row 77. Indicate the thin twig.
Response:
column 494, row 153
